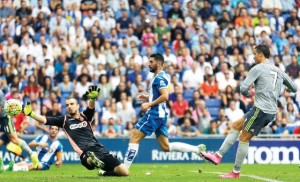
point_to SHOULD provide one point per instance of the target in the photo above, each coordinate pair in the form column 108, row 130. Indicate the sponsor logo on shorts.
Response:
column 79, row 125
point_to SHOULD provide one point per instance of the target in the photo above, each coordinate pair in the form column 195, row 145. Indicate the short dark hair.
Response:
column 264, row 50
column 158, row 57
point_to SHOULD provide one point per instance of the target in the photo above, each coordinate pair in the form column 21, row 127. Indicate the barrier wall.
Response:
column 260, row 151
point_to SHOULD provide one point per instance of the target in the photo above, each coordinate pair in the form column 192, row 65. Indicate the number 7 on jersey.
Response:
column 275, row 74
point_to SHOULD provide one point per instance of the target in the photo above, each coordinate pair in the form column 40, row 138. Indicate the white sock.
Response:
column 183, row 147
column 132, row 151
column 20, row 168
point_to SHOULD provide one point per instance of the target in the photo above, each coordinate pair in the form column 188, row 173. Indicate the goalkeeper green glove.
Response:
column 93, row 93
column 27, row 110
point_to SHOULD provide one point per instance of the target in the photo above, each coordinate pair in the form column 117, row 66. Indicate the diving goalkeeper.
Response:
column 77, row 127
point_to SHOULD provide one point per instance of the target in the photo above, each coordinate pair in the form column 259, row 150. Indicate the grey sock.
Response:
column 24, row 146
column 241, row 153
column 229, row 141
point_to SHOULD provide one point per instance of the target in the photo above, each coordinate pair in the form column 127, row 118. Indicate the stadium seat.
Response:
column 213, row 103
column 137, row 111
column 214, row 112
column 188, row 94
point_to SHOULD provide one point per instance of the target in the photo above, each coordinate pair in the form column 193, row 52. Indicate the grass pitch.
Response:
column 161, row 173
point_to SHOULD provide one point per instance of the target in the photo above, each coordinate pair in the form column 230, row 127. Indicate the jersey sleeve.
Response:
column 250, row 79
column 89, row 113
column 38, row 139
column 56, row 121
column 161, row 82
column 288, row 82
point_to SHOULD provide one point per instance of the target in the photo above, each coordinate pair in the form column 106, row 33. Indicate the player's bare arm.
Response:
column 164, row 96
column 58, row 162
column 143, row 97
column 34, row 144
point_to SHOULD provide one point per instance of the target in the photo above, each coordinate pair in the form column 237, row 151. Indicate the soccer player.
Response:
column 48, row 147
column 78, row 129
column 7, row 125
column 268, row 81
column 155, row 119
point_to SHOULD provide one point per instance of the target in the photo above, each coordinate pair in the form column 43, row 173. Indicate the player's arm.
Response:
column 164, row 96
column 59, row 156
column 56, row 121
column 250, row 79
column 37, row 143
column 288, row 82
column 92, row 94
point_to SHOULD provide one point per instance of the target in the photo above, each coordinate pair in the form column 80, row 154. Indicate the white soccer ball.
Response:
column 13, row 107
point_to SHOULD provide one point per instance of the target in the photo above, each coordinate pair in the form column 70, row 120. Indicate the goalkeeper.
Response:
column 77, row 127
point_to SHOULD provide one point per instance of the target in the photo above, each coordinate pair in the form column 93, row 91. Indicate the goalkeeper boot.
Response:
column 93, row 159
column 35, row 160
column 101, row 172
column 1, row 165
column 10, row 165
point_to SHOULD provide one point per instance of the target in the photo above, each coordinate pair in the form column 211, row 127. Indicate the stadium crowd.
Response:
column 53, row 49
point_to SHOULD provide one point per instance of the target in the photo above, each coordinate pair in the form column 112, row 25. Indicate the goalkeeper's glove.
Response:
column 93, row 93
column 27, row 111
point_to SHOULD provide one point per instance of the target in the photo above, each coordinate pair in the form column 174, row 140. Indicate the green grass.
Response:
column 159, row 172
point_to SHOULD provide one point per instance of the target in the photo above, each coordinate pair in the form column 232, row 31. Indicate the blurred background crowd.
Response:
column 53, row 49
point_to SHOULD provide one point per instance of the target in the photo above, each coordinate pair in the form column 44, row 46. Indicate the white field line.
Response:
column 249, row 176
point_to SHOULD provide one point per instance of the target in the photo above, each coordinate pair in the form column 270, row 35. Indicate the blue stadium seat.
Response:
column 213, row 103
column 188, row 94
column 214, row 112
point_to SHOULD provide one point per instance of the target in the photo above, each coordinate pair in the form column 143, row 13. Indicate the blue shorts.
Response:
column 150, row 123
column 45, row 166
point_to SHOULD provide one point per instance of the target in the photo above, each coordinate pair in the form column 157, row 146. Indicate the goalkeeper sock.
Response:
column 24, row 146
column 130, row 154
column 228, row 142
column 183, row 147
column 241, row 154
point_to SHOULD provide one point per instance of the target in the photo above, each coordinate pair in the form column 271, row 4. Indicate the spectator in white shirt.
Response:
column 192, row 78
column 97, row 58
column 74, row 28
column 227, row 81
column 89, row 21
column 261, row 27
column 27, row 48
column 277, row 22
column 40, row 8
column 169, row 57
column 107, row 23
column 233, row 113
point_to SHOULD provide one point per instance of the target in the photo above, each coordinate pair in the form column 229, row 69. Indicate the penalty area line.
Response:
column 249, row 176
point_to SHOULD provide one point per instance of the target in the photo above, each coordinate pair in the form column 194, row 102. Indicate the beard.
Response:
column 72, row 113
column 153, row 69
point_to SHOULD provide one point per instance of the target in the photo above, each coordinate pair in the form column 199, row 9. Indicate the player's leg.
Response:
column 113, row 167
column 143, row 128
column 164, row 144
column 13, row 137
column 133, row 147
column 251, row 128
column 230, row 139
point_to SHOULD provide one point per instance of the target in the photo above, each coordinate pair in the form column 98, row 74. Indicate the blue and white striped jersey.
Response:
column 47, row 154
column 160, row 81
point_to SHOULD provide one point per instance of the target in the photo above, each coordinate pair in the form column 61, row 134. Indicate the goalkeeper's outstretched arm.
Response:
column 28, row 112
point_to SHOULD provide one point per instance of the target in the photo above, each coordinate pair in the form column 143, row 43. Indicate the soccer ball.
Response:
column 13, row 107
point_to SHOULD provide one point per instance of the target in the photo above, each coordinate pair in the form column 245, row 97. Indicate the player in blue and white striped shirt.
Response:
column 48, row 148
column 155, row 119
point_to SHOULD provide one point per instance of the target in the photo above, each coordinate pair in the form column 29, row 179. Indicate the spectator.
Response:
column 179, row 106
column 233, row 113
column 126, row 113
column 227, row 96
column 209, row 89
column 212, row 129
column 187, row 130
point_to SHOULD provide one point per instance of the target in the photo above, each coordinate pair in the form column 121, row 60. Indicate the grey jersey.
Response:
column 268, row 81
column 2, row 103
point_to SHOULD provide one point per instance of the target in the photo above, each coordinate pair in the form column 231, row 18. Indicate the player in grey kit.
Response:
column 268, row 81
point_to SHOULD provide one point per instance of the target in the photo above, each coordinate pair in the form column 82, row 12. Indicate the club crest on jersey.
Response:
column 79, row 125
column 162, row 83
